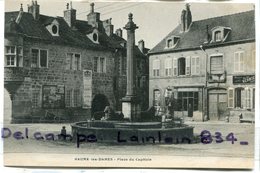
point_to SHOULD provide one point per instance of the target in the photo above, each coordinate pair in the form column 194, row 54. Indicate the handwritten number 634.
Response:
column 207, row 138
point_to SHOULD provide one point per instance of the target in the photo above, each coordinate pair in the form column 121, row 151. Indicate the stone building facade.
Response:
column 207, row 66
column 63, row 68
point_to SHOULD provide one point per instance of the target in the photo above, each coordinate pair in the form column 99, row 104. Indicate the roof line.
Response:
column 206, row 46
column 223, row 16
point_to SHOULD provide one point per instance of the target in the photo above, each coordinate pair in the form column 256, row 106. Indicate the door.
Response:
column 217, row 106
column 213, row 108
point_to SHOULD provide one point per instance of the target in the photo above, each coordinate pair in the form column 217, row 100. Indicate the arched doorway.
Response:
column 99, row 103
column 7, row 107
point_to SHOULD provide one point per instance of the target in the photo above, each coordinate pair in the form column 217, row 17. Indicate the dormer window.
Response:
column 169, row 43
column 53, row 28
column 218, row 36
column 93, row 36
column 172, row 41
column 220, row 33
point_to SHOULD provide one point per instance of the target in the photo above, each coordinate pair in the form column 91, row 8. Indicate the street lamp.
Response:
column 206, row 85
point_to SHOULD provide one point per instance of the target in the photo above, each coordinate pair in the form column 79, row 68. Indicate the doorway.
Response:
column 7, row 107
column 217, row 104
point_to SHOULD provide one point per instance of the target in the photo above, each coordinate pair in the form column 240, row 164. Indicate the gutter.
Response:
column 206, row 46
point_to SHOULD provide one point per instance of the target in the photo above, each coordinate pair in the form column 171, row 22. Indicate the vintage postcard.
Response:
column 129, row 84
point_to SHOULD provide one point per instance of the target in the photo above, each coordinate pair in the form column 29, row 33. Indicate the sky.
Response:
column 155, row 19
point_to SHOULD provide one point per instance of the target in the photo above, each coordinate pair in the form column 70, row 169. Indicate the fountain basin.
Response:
column 131, row 133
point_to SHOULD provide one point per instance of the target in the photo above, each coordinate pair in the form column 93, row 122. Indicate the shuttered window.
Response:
column 239, row 61
column 187, row 63
column 216, row 65
column 156, row 67
column 168, row 67
column 181, row 66
column 195, row 66
column 230, row 97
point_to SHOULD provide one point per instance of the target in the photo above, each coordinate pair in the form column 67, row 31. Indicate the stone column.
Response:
column 129, row 102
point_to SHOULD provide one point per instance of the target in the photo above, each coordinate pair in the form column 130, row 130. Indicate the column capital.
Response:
column 130, row 24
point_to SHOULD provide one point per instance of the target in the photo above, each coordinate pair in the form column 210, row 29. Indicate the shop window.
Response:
column 216, row 65
column 156, row 68
column 239, row 61
column 156, row 97
column 39, row 58
column 186, row 100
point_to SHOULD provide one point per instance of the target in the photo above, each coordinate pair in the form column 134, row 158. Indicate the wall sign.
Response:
column 245, row 79
column 87, row 88
column 53, row 96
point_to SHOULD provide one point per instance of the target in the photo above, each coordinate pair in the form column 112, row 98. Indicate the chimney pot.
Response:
column 119, row 32
column 92, row 7
column 34, row 9
column 70, row 15
column 141, row 45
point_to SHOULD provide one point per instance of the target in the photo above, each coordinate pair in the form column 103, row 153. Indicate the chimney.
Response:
column 188, row 17
column 141, row 45
column 119, row 32
column 34, row 9
column 93, row 17
column 70, row 15
column 19, row 17
column 183, row 14
column 109, row 28
column 207, row 34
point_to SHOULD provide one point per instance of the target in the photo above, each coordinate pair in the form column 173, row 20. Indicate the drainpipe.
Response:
column 206, row 116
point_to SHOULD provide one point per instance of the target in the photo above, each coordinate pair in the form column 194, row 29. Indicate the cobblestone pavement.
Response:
column 243, row 132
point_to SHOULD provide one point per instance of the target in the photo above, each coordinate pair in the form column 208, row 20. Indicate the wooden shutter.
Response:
column 175, row 65
column 187, row 63
column 242, row 59
column 193, row 65
column 231, row 97
column 216, row 65
column 197, row 65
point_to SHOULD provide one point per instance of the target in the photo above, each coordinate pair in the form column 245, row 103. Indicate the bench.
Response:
column 247, row 117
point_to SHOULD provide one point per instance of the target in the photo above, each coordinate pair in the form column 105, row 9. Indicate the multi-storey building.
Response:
column 66, row 67
column 208, row 66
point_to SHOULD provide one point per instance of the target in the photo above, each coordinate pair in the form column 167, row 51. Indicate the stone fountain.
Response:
column 131, row 131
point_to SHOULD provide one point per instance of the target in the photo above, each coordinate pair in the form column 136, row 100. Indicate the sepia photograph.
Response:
column 162, row 84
